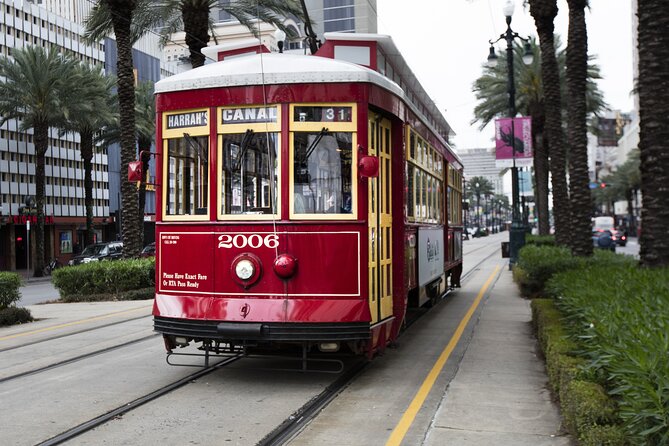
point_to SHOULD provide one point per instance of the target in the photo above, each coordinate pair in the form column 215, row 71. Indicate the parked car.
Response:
column 604, row 240
column 149, row 250
column 98, row 252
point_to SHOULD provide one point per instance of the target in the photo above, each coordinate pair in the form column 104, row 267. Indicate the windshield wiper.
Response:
column 192, row 142
column 315, row 142
column 246, row 141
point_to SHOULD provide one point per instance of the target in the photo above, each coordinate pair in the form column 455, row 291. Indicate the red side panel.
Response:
column 250, row 309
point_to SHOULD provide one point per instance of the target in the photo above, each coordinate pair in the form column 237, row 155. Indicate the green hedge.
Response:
column 105, row 280
column 14, row 315
column 538, row 263
column 590, row 414
column 9, row 288
column 540, row 240
column 620, row 316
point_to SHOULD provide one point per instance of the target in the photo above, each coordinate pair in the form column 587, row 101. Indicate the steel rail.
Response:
column 75, row 359
column 64, row 335
column 127, row 407
column 292, row 425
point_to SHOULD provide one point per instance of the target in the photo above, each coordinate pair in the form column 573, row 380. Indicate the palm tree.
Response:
column 38, row 88
column 120, row 15
column 577, row 72
column 194, row 18
column 654, row 133
column 476, row 187
column 97, row 92
column 491, row 92
column 544, row 13
column 145, row 121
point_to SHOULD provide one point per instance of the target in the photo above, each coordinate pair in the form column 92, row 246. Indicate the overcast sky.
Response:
column 446, row 41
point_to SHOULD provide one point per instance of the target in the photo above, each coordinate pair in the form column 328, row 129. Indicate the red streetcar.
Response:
column 303, row 200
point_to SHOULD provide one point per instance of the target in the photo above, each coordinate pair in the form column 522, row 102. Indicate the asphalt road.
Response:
column 37, row 292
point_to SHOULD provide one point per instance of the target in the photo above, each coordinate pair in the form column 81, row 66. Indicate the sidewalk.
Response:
column 500, row 394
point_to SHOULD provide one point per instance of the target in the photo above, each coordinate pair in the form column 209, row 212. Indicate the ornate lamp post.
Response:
column 478, row 209
column 517, row 233
column 280, row 37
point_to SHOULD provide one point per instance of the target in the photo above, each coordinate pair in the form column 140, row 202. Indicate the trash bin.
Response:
column 505, row 250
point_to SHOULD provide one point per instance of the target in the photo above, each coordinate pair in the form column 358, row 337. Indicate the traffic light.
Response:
column 602, row 185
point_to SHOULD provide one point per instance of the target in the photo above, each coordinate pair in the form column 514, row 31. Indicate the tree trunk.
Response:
column 121, row 13
column 540, row 170
column 196, row 25
column 654, row 132
column 41, row 145
column 577, row 71
column 544, row 12
column 87, row 158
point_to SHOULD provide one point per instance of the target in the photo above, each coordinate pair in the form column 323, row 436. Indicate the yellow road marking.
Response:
column 410, row 414
column 70, row 324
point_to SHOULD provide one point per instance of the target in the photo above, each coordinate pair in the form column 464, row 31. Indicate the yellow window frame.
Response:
column 297, row 127
column 169, row 134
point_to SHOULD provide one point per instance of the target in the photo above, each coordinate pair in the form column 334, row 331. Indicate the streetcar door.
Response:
column 380, row 221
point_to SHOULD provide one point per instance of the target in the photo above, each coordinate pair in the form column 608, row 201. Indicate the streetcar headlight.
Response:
column 244, row 269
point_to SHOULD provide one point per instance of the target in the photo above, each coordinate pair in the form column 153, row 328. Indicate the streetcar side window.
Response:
column 187, row 176
column 424, row 180
column 249, row 172
column 322, row 172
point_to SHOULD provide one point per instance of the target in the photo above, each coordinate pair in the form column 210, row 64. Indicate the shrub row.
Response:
column 620, row 316
column 589, row 413
column 540, row 240
column 14, row 315
column 605, row 332
column 538, row 263
column 9, row 288
column 9, row 295
column 117, row 280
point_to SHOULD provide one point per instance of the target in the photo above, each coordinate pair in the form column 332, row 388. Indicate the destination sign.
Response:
column 190, row 119
column 247, row 115
column 323, row 114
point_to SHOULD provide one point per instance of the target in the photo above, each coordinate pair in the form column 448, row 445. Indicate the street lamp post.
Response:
column 478, row 209
column 517, row 233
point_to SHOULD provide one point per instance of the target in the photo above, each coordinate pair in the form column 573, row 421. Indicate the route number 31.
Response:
column 252, row 241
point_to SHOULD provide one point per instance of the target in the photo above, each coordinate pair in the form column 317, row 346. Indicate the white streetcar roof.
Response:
column 248, row 69
column 272, row 69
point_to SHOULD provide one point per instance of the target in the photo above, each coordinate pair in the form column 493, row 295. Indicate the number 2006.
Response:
column 252, row 241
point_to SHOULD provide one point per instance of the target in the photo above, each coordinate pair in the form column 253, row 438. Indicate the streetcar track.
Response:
column 27, row 344
column 75, row 359
column 292, row 425
column 127, row 407
column 476, row 267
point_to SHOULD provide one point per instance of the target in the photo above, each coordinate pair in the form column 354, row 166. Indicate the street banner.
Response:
column 513, row 139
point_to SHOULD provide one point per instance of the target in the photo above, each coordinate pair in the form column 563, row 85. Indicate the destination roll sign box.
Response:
column 184, row 120
column 248, row 115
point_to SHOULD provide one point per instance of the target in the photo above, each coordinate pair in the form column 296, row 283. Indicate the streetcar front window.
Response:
column 322, row 173
column 249, row 171
column 188, row 175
